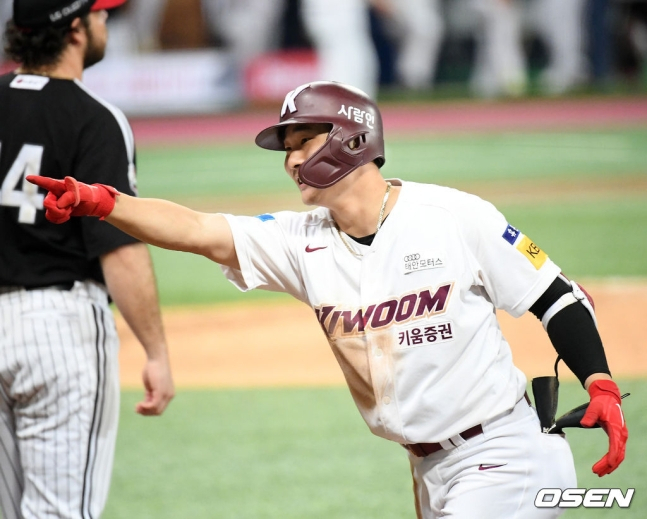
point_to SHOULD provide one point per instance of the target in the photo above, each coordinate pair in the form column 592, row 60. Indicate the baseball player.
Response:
column 404, row 279
column 59, row 382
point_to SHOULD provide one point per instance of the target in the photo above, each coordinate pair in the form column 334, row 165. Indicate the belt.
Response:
column 56, row 286
column 67, row 286
column 425, row 449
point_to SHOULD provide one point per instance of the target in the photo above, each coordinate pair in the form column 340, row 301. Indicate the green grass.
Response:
column 518, row 156
column 178, row 173
column 603, row 237
column 607, row 238
column 304, row 453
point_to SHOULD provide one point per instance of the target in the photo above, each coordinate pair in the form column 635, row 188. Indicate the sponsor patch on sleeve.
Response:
column 265, row 217
column 536, row 256
column 511, row 234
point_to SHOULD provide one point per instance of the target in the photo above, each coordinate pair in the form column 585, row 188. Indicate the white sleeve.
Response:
column 512, row 269
column 265, row 249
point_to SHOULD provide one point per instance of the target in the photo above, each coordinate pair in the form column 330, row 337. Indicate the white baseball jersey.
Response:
column 412, row 321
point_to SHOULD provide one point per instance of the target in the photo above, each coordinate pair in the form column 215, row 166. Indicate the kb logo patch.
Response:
column 536, row 256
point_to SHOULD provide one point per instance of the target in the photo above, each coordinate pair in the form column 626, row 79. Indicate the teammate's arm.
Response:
column 129, row 276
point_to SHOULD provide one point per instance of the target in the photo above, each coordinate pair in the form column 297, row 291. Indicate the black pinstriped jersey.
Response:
column 55, row 127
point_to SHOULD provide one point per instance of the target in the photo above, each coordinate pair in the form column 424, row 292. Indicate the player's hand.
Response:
column 159, row 387
column 70, row 197
column 605, row 410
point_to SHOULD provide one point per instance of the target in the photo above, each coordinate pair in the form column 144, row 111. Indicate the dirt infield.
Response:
column 263, row 344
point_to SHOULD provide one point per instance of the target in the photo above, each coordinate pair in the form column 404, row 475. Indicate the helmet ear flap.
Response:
column 332, row 162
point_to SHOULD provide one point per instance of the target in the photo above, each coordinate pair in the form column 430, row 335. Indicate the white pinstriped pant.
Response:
column 59, row 401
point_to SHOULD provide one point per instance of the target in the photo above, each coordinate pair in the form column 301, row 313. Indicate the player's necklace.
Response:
column 380, row 219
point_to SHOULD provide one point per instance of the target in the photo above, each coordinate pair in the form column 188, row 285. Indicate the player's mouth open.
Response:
column 297, row 178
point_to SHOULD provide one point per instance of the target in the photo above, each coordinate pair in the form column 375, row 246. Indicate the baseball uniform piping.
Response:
column 86, row 496
column 119, row 116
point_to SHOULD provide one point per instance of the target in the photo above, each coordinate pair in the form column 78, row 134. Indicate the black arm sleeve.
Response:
column 573, row 333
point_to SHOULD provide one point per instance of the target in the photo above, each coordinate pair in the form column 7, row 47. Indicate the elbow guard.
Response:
column 577, row 294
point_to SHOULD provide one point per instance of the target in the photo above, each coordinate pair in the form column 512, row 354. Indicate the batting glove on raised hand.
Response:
column 70, row 197
column 605, row 410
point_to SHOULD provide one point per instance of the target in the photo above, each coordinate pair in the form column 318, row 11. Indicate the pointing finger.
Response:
column 51, row 184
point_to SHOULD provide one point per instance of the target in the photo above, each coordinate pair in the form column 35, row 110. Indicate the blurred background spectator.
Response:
column 340, row 32
column 500, row 64
column 417, row 28
column 563, row 29
column 258, row 49
column 5, row 14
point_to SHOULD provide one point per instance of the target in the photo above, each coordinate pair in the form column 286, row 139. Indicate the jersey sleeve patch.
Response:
column 511, row 234
column 536, row 256
column 265, row 217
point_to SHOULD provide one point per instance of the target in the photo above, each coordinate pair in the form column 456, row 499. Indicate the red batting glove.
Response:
column 605, row 410
column 70, row 197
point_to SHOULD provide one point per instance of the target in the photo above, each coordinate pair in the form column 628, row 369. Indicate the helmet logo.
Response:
column 289, row 102
column 359, row 116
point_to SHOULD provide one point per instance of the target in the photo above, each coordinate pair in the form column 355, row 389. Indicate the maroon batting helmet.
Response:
column 352, row 114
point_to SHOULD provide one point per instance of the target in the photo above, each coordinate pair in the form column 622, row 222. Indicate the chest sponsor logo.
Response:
column 338, row 320
column 536, row 256
column 265, row 217
column 438, row 332
column 25, row 82
column 422, row 261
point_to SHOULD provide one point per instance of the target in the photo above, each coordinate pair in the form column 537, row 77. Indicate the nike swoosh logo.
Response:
column 312, row 249
column 488, row 467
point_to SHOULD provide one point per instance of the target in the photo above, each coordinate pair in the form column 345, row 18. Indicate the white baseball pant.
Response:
column 59, row 401
column 497, row 473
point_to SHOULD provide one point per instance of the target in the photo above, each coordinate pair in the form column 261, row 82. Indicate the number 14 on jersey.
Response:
column 26, row 197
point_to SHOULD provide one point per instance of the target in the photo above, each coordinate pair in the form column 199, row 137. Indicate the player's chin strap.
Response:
column 545, row 390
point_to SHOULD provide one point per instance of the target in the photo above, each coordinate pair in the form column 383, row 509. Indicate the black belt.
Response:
column 67, row 286
column 56, row 286
column 425, row 449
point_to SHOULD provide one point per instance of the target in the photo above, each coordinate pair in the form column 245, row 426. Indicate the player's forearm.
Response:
column 175, row 227
column 158, row 222
column 595, row 376
column 129, row 276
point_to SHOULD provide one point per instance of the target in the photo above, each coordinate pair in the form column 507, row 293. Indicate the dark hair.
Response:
column 35, row 48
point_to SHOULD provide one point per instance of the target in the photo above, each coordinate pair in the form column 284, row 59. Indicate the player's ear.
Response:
column 77, row 30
